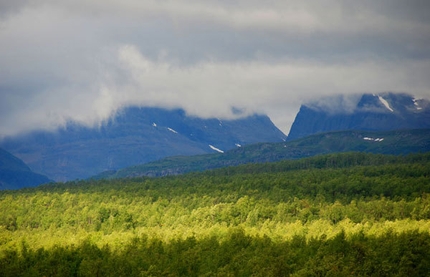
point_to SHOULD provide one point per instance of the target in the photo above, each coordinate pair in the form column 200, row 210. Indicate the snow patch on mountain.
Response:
column 216, row 149
column 171, row 130
column 373, row 139
column 417, row 106
column 383, row 101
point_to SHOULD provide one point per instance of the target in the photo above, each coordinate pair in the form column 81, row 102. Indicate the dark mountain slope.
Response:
column 15, row 174
column 134, row 136
column 388, row 142
column 388, row 111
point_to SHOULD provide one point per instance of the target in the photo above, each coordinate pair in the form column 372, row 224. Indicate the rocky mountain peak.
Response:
column 377, row 112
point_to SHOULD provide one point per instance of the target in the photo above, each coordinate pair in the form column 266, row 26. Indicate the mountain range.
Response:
column 155, row 142
column 134, row 136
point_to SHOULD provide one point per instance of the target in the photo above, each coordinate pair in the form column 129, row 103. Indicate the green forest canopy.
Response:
column 353, row 213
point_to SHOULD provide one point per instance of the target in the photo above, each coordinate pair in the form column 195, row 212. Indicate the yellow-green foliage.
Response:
column 359, row 206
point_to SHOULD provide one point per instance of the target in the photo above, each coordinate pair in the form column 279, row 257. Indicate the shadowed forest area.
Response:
column 349, row 214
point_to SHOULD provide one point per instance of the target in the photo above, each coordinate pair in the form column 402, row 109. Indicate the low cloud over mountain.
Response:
column 85, row 60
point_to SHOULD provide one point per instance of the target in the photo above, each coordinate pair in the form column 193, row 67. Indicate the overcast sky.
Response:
column 83, row 60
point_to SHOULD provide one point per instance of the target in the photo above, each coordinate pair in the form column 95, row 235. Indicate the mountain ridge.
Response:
column 397, row 142
column 135, row 135
column 15, row 174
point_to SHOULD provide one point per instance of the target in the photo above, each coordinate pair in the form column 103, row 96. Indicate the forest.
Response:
column 348, row 214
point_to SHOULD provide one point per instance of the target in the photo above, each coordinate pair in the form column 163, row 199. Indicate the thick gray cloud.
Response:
column 83, row 60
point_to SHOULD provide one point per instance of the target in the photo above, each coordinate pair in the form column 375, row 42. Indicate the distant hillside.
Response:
column 388, row 142
column 134, row 136
column 15, row 174
column 370, row 112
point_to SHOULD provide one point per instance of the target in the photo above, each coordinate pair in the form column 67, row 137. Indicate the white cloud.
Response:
column 83, row 60
column 212, row 89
